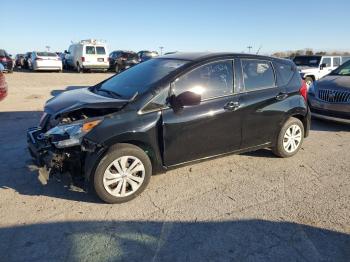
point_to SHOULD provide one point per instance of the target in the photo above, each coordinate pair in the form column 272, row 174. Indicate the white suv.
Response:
column 314, row 67
column 87, row 54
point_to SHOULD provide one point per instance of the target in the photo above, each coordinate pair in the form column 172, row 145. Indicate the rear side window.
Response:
column 90, row 50
column 336, row 61
column 210, row 80
column 100, row 50
column 286, row 72
column 257, row 74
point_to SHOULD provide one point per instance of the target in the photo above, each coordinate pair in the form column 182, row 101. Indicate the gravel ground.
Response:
column 249, row 207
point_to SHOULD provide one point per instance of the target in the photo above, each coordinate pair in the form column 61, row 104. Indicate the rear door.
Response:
column 210, row 128
column 260, row 103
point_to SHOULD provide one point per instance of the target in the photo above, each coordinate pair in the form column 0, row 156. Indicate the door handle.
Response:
column 281, row 96
column 231, row 106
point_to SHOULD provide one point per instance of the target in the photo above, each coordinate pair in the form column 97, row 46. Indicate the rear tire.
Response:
column 113, row 182
column 117, row 69
column 79, row 69
column 309, row 81
column 290, row 138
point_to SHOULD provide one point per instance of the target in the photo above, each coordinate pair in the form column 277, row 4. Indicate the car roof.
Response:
column 199, row 56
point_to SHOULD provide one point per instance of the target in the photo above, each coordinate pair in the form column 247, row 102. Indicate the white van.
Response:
column 86, row 55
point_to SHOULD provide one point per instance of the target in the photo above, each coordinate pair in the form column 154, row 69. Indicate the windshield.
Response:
column 312, row 61
column 343, row 70
column 139, row 78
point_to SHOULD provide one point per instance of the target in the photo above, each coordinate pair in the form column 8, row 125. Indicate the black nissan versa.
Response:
column 168, row 111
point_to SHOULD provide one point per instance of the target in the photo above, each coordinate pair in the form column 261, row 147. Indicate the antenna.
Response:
column 249, row 48
column 259, row 49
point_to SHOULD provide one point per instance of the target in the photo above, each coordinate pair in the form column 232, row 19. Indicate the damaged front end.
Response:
column 59, row 145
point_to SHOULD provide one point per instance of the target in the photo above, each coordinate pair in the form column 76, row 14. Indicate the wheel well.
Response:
column 312, row 76
column 302, row 119
column 145, row 147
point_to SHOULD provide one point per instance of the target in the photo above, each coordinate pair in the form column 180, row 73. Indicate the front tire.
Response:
column 290, row 138
column 122, row 174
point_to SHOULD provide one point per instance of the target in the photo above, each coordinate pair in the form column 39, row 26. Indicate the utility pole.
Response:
column 161, row 50
column 249, row 48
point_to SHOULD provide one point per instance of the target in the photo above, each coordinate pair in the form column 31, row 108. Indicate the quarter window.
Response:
column 257, row 74
column 210, row 80
column 286, row 72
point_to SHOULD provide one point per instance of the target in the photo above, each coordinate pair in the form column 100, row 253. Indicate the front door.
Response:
column 210, row 128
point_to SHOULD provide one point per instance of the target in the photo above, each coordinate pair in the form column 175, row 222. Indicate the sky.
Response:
column 177, row 25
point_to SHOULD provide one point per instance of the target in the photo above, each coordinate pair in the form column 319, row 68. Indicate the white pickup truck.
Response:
column 314, row 67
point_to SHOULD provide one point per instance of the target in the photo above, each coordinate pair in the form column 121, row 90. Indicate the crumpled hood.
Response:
column 80, row 98
column 334, row 82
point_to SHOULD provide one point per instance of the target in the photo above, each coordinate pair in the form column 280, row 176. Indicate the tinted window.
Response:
column 327, row 61
column 157, row 102
column 90, row 50
column 311, row 61
column 100, row 50
column 286, row 72
column 46, row 54
column 140, row 77
column 257, row 75
column 210, row 80
column 336, row 61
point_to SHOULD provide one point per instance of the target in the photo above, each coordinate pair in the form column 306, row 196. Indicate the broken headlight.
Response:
column 71, row 134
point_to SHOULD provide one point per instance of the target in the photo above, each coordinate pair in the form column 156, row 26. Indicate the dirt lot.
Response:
column 248, row 207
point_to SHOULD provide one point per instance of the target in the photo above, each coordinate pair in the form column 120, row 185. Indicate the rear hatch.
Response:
column 95, row 55
column 130, row 58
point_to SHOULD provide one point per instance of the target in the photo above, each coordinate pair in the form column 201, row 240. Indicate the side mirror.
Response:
column 184, row 99
column 189, row 98
column 323, row 65
column 66, row 52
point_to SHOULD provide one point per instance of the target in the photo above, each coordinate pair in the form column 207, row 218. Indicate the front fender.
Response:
column 143, row 131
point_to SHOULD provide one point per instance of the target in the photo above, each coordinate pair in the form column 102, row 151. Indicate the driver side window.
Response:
column 210, row 80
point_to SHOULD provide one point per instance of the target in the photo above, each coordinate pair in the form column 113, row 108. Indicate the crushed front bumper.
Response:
column 38, row 146
column 57, row 161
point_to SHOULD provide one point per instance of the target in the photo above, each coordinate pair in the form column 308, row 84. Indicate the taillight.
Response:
column 82, row 59
column 303, row 90
column 3, row 59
